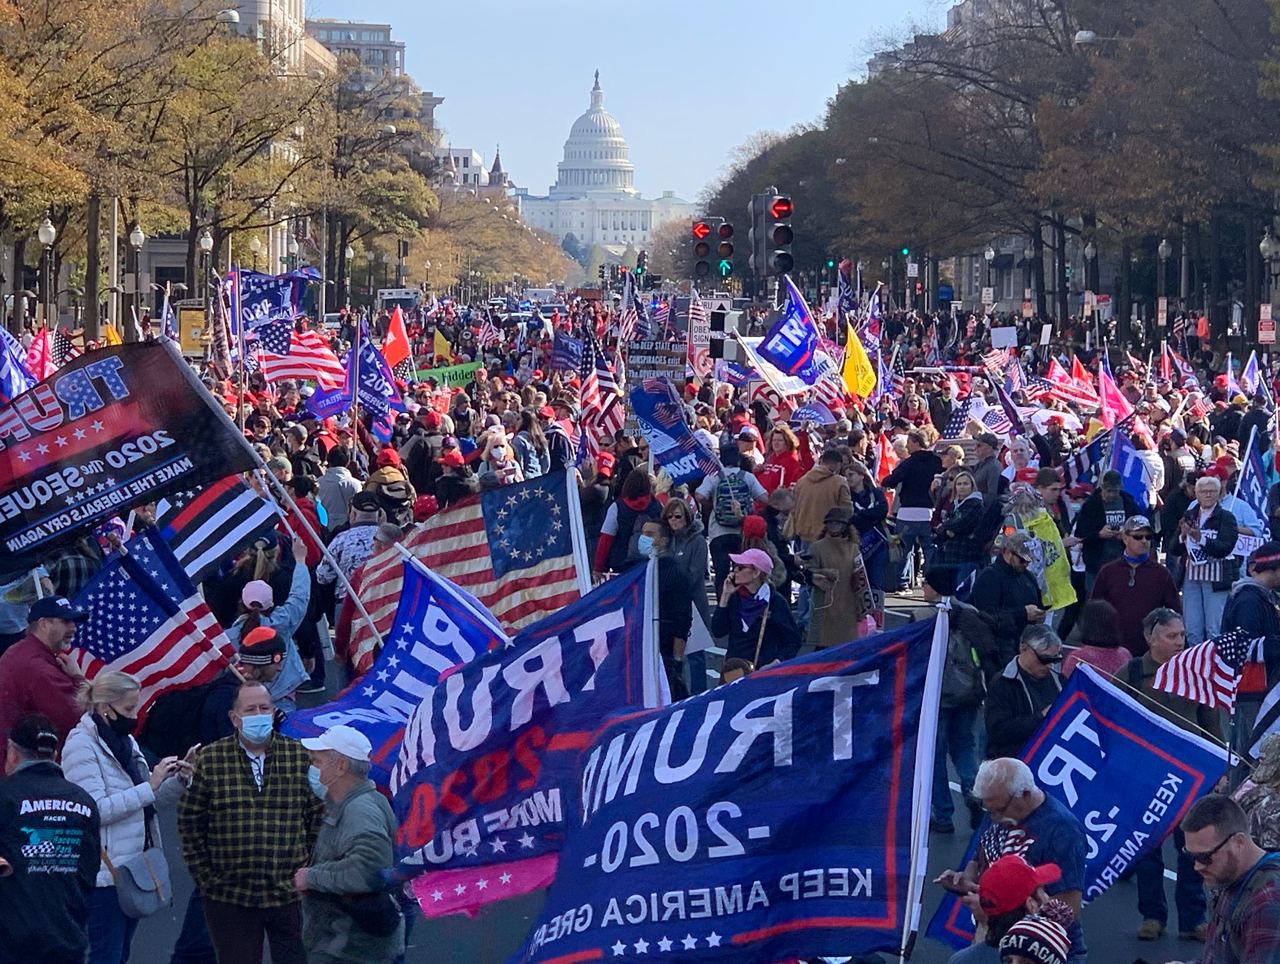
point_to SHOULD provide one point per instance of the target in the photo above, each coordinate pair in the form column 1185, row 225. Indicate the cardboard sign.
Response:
column 1004, row 337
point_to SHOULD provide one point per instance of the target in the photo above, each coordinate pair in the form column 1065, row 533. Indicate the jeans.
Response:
column 1202, row 610
column 110, row 932
column 696, row 664
column 956, row 729
column 912, row 534
column 193, row 945
column 1188, row 893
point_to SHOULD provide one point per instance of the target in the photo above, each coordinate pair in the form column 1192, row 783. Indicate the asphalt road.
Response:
column 1110, row 922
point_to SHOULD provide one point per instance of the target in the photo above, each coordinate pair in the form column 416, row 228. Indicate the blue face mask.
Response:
column 256, row 729
column 317, row 785
column 644, row 545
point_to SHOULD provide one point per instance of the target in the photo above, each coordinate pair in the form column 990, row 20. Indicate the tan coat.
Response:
column 818, row 492
column 838, row 603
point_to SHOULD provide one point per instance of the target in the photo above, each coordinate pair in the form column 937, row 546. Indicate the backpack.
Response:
column 731, row 489
column 963, row 682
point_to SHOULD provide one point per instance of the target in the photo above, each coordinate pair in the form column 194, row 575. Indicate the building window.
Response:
column 466, row 162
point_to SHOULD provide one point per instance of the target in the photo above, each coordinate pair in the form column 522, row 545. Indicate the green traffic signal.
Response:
column 831, row 263
column 906, row 252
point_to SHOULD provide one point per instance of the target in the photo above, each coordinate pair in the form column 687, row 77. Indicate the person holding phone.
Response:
column 102, row 756
column 756, row 620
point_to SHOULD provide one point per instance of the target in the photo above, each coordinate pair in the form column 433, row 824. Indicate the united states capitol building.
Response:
column 594, row 197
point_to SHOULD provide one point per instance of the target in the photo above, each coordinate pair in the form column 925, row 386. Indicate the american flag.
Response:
column 489, row 333
column 286, row 352
column 959, row 419
column 168, row 319
column 64, row 349
column 516, row 548
column 146, row 619
column 632, row 323
column 898, row 375
column 603, row 411
column 996, row 361
column 662, row 315
column 205, row 526
column 1208, row 672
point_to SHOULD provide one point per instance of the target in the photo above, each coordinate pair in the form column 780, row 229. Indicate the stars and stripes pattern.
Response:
column 632, row 322
column 285, row 352
column 64, row 348
column 489, row 334
column 1209, row 672
column 662, row 315
column 959, row 419
column 603, row 411
column 146, row 619
column 205, row 526
column 513, row 548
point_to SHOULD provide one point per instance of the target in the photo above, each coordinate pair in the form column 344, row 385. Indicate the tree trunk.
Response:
column 1124, row 298
column 93, row 268
column 1252, row 282
column 1217, row 317
column 19, row 299
column 1037, row 269
column 1060, row 282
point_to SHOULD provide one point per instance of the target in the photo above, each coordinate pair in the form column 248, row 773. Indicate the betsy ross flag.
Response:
column 519, row 549
column 206, row 526
column 146, row 619
column 284, row 352
column 1209, row 672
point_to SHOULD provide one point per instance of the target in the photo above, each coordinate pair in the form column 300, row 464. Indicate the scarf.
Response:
column 121, row 748
column 752, row 605
column 1136, row 560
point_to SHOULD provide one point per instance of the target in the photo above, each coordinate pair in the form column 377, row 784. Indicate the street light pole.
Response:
column 344, row 273
column 206, row 252
column 990, row 256
column 137, row 238
column 255, row 249
column 47, row 234
column 368, row 260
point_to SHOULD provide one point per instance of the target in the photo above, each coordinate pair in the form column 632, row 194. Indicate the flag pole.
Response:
column 238, row 316
column 324, row 549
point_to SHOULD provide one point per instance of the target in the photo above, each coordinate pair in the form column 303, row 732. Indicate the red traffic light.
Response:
column 701, row 229
column 725, row 230
column 780, row 208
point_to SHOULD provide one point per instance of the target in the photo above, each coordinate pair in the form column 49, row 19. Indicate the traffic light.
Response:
column 906, row 251
column 705, row 233
column 831, row 263
column 601, row 273
column 642, row 263
column 919, row 287
column 778, row 211
column 724, row 250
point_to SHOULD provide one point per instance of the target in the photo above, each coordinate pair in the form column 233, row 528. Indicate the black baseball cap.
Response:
column 55, row 607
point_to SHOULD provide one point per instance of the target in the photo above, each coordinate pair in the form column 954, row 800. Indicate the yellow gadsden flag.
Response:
column 110, row 336
column 442, row 347
column 858, row 375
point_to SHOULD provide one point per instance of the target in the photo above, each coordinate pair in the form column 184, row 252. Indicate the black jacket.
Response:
column 675, row 604
column 1252, row 607
column 54, row 851
column 1097, row 551
column 1013, row 713
column 1226, row 533
column 959, row 536
column 781, row 636
column 913, row 477
column 1002, row 596
column 940, row 410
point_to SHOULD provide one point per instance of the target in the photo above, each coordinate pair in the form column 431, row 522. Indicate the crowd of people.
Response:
column 795, row 543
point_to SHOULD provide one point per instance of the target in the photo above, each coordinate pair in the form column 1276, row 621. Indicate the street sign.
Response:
column 988, row 296
column 1090, row 302
column 1028, row 309
column 913, row 269
column 1162, row 311
column 1266, row 326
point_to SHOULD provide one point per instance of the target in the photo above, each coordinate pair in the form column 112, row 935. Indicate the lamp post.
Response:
column 368, row 260
column 1028, row 254
column 427, row 276
column 990, row 256
column 255, row 249
column 137, row 238
column 293, row 253
column 206, row 252
column 47, row 234
column 1165, row 251
column 348, row 253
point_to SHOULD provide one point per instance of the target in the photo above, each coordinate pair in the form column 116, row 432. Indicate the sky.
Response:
column 518, row 72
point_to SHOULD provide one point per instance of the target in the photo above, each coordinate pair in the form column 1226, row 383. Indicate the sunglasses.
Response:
column 1207, row 856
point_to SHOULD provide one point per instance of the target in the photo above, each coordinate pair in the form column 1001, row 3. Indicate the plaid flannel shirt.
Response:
column 1252, row 932
column 242, row 845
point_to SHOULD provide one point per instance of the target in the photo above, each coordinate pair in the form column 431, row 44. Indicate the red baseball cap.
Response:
column 1009, row 881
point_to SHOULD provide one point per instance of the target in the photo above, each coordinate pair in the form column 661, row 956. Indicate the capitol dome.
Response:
column 596, row 156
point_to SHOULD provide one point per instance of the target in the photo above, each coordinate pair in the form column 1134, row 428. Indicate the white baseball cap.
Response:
column 346, row 740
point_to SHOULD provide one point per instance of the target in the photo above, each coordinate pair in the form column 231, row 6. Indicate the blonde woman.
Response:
column 103, row 758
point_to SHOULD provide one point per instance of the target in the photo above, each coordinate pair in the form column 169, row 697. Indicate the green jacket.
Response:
column 356, row 843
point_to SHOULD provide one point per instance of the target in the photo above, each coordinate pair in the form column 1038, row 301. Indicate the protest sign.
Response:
column 1004, row 337
column 489, row 754
column 450, row 376
column 1093, row 732
column 814, row 412
column 437, row 626
column 111, row 429
column 720, row 828
column 660, row 416
column 648, row 359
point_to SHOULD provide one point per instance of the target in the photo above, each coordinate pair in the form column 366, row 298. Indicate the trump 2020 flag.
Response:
column 14, row 377
column 146, row 619
column 793, row 345
column 1093, row 733
column 719, row 829
column 483, row 784
column 438, row 626
column 675, row 448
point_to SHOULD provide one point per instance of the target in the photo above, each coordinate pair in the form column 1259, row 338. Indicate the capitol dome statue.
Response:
column 596, row 156
column 594, row 198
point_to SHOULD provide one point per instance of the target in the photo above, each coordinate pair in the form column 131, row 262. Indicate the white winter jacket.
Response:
column 87, row 762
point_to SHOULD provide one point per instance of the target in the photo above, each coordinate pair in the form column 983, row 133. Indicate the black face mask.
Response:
column 123, row 725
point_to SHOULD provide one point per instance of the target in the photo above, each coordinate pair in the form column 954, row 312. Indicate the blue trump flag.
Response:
column 660, row 415
column 260, row 299
column 374, row 381
column 566, row 353
column 489, row 754
column 814, row 412
column 779, row 817
column 15, row 379
column 1252, row 488
column 1128, row 775
column 793, row 346
column 438, row 625
column 1133, row 471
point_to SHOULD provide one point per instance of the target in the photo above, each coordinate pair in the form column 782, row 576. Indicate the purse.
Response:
column 142, row 880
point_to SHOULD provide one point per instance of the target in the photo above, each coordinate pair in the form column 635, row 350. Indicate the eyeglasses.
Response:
column 1206, row 857
column 1146, row 538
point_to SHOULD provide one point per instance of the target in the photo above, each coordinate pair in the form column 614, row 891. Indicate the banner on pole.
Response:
column 660, row 416
column 1093, row 732
column 450, row 376
column 113, row 428
column 718, row 829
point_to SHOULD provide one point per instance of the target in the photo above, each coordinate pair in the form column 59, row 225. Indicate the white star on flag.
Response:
column 619, row 948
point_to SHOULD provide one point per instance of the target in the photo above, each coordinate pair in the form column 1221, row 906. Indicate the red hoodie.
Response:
column 637, row 504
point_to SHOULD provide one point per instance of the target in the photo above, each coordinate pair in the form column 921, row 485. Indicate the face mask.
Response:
column 317, row 785
column 256, row 729
column 123, row 725
column 644, row 545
